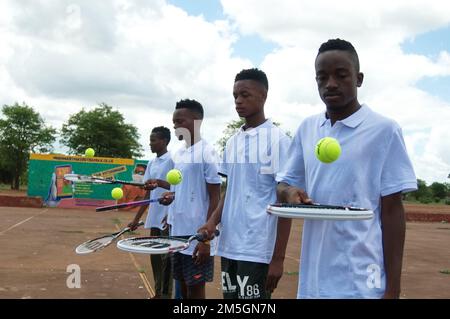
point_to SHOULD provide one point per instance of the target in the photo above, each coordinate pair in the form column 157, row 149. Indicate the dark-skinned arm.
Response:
column 291, row 195
column 202, row 250
column 210, row 226
column 141, row 211
column 393, row 229
column 154, row 183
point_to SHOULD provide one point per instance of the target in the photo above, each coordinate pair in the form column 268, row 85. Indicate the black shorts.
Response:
column 244, row 279
column 185, row 270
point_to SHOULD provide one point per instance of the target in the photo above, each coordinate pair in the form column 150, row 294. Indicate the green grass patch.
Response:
column 445, row 271
column 7, row 187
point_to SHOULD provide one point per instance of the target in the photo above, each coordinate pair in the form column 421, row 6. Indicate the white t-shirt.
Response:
column 198, row 165
column 157, row 169
column 251, row 160
column 344, row 259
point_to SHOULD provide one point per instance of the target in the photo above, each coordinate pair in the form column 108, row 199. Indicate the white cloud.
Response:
column 143, row 56
column 140, row 56
column 377, row 30
column 307, row 23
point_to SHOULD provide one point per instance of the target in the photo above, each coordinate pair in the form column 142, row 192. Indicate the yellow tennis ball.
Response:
column 89, row 152
column 328, row 150
column 117, row 193
column 174, row 177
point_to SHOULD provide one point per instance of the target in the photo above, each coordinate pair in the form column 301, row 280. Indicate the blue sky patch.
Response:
column 210, row 9
column 430, row 43
column 437, row 86
column 250, row 47
column 253, row 47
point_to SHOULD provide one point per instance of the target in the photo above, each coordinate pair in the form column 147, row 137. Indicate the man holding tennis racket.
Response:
column 195, row 199
column 250, row 163
column 348, row 259
column 156, row 185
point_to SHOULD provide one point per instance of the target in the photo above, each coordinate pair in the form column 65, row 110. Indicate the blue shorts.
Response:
column 185, row 270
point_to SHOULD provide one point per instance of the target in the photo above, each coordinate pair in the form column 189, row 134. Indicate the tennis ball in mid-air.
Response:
column 174, row 177
column 328, row 150
column 117, row 193
column 89, row 152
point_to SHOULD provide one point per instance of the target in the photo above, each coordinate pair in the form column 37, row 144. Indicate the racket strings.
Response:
column 171, row 243
column 97, row 243
column 93, row 245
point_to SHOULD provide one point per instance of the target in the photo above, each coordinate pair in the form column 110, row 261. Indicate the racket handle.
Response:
column 125, row 205
column 202, row 237
column 127, row 229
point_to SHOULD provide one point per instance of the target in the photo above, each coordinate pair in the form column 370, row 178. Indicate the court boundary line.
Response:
column 291, row 258
column 22, row 222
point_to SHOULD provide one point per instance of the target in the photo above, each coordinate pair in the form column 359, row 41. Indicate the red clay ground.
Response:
column 38, row 246
column 427, row 213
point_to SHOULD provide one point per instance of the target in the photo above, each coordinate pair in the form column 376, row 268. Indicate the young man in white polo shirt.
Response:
column 194, row 199
column 348, row 259
column 156, row 185
column 250, row 163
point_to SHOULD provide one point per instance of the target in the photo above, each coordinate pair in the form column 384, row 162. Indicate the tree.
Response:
column 22, row 131
column 104, row 130
column 439, row 190
column 423, row 191
column 230, row 130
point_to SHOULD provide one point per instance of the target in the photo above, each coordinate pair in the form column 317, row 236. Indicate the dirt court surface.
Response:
column 38, row 247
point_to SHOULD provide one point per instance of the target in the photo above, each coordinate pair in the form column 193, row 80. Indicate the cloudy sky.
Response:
column 141, row 56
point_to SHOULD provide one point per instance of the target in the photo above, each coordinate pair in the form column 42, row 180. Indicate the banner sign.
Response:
column 46, row 179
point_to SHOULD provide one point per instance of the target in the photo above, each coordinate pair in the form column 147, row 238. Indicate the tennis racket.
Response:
column 129, row 204
column 101, row 242
column 155, row 245
column 77, row 178
column 318, row 211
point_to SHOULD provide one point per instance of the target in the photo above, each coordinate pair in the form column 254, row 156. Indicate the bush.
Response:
column 425, row 200
column 437, row 199
column 447, row 201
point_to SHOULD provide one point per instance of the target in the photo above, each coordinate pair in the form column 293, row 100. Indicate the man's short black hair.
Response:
column 253, row 74
column 163, row 133
column 191, row 105
column 341, row 45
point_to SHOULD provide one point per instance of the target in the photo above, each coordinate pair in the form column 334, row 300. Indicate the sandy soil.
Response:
column 38, row 251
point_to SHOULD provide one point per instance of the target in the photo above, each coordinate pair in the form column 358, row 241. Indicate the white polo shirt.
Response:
column 198, row 165
column 344, row 259
column 157, row 169
column 251, row 160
